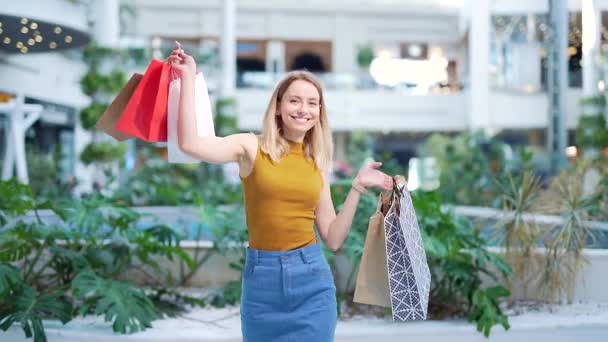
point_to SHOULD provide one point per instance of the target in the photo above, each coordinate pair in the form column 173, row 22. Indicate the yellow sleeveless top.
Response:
column 280, row 200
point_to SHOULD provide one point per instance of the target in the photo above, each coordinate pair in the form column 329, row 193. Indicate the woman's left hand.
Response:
column 370, row 176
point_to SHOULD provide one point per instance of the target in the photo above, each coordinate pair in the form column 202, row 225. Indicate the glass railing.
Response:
column 343, row 81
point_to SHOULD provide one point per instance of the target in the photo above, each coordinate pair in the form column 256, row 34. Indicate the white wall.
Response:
column 346, row 26
column 515, row 111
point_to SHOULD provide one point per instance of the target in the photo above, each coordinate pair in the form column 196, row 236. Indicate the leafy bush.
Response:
column 59, row 270
column 458, row 258
column 456, row 254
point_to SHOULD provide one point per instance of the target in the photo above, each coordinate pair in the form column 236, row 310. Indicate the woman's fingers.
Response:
column 375, row 165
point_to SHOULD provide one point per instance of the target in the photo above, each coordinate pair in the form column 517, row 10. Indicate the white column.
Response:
column 106, row 28
column 345, row 45
column 275, row 55
column 228, row 49
column 531, row 28
column 479, row 54
column 591, row 43
column 20, row 118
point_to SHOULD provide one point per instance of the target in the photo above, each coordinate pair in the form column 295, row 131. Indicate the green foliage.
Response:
column 230, row 236
column 226, row 117
column 100, row 86
column 596, row 101
column 127, row 308
column 486, row 311
column 591, row 132
column 456, row 254
column 93, row 83
column 95, row 243
column 103, row 152
column 469, row 165
column 457, row 259
column 157, row 182
column 365, row 55
column 28, row 308
column 91, row 114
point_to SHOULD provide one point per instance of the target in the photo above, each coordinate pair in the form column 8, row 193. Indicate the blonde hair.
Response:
column 318, row 143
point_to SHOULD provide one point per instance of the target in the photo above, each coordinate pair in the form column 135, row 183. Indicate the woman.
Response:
column 288, row 290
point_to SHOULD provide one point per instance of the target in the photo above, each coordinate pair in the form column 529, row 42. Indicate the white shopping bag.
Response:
column 202, row 110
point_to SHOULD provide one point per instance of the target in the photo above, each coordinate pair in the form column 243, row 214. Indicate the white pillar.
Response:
column 275, row 56
column 479, row 54
column 228, row 49
column 106, row 28
column 21, row 117
column 531, row 28
column 591, row 43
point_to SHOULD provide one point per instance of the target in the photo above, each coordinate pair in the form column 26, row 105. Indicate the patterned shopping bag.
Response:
column 401, row 261
column 409, row 276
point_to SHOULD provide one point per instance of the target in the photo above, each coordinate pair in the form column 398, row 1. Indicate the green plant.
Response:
column 103, row 152
column 456, row 254
column 518, row 234
column 157, row 182
column 457, row 257
column 565, row 241
column 76, row 266
column 100, row 86
column 469, row 163
column 225, row 116
column 365, row 55
column 230, row 236
column 591, row 132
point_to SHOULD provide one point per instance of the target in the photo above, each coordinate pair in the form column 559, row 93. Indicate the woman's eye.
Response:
column 293, row 101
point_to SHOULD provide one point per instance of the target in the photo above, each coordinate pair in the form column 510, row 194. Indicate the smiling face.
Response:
column 299, row 109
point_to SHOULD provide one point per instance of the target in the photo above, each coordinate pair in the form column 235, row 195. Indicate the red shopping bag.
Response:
column 145, row 116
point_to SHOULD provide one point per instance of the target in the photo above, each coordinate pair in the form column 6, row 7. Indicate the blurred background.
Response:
column 396, row 73
column 494, row 110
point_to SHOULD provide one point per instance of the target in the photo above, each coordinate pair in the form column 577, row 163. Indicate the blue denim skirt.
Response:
column 288, row 296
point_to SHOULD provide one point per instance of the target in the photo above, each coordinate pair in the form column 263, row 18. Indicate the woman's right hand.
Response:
column 182, row 62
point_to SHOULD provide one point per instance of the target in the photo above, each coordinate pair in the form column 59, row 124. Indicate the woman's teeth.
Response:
column 300, row 119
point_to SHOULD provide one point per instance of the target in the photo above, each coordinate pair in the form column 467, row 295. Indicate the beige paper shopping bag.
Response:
column 372, row 279
column 110, row 117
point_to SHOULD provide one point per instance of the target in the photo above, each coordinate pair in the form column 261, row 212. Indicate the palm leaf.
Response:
column 29, row 308
column 9, row 279
column 127, row 308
